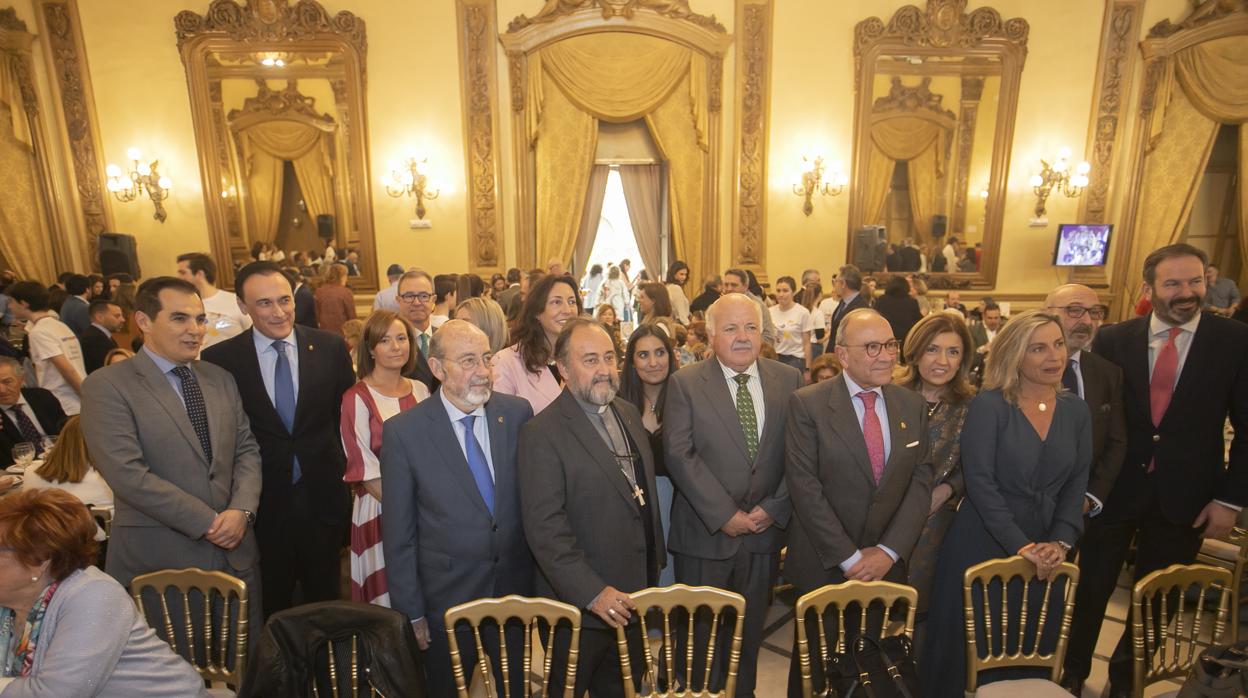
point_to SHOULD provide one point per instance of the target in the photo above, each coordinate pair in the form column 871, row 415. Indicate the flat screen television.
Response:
column 1080, row 245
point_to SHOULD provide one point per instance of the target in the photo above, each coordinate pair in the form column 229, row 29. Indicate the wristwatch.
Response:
column 251, row 517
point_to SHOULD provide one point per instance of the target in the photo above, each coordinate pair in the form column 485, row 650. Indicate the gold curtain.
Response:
column 1243, row 198
column 595, row 195
column 923, row 172
column 11, row 94
column 564, row 155
column 676, row 137
column 643, row 195
column 879, row 178
column 266, row 146
column 23, row 237
column 921, row 143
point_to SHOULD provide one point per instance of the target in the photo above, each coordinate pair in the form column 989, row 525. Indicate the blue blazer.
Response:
column 442, row 546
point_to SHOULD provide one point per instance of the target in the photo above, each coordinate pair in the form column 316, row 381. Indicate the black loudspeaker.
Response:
column 940, row 223
column 119, row 255
column 866, row 239
column 325, row 226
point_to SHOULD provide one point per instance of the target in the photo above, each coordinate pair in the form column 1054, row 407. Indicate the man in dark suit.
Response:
column 291, row 380
column 848, row 287
column 731, row 503
column 1184, row 373
column 97, row 340
column 73, row 310
column 416, row 302
column 509, row 299
column 305, row 301
column 982, row 333
column 26, row 414
column 911, row 260
column 449, row 468
column 587, row 497
column 857, row 471
column 711, row 291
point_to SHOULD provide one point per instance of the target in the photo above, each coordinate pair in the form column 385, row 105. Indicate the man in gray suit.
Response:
column 170, row 436
column 449, row 468
column 587, row 493
column 857, row 470
column 731, row 500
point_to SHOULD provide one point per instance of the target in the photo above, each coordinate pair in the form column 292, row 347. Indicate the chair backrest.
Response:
column 343, row 680
column 206, row 623
column 1013, row 640
column 103, row 518
column 675, row 608
column 544, row 615
column 1170, row 619
column 876, row 606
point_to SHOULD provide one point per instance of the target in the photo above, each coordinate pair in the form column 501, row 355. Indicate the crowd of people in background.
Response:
column 532, row 433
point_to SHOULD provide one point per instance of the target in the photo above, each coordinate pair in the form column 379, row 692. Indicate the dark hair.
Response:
column 197, row 262
column 565, row 334
column 32, row 293
column 77, row 284
column 443, row 286
column 468, row 286
column 122, row 277
column 147, row 300
column 530, row 337
column 991, row 306
column 740, row 274
column 513, row 275
column 920, row 337
column 657, row 292
column 755, row 287
column 631, row 383
column 100, row 306
column 63, row 277
column 897, row 286
column 256, row 248
column 255, row 269
column 711, row 282
column 375, row 328
column 852, row 277
column 1161, row 254
column 595, row 270
column 787, row 280
column 672, row 270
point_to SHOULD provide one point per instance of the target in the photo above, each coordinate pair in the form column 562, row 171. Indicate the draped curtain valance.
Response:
column 921, row 143
column 265, row 147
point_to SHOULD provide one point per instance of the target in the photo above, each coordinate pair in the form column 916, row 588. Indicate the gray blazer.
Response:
column 95, row 643
column 167, row 493
column 580, row 518
column 713, row 475
column 838, row 508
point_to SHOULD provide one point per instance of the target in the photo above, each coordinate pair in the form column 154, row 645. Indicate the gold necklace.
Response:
column 1042, row 404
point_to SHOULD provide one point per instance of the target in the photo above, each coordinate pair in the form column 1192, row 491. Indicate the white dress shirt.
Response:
column 266, row 353
column 480, row 429
column 754, row 386
column 881, row 411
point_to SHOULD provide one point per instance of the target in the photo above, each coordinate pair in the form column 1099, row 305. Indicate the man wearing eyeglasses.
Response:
column 857, row 471
column 416, row 302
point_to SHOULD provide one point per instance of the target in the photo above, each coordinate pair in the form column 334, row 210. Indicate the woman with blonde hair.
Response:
column 68, row 467
column 1026, row 449
column 115, row 355
column 487, row 316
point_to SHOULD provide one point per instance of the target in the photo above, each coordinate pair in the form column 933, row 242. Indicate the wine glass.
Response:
column 23, row 453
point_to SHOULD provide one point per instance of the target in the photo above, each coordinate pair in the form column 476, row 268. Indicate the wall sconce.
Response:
column 141, row 179
column 1058, row 177
column 407, row 178
column 812, row 182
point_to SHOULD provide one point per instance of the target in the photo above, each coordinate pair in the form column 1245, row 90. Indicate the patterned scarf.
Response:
column 19, row 647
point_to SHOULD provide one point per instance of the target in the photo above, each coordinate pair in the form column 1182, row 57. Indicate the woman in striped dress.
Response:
column 383, row 355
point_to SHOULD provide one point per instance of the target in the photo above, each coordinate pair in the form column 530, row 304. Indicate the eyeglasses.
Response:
column 413, row 297
column 1096, row 312
column 874, row 348
column 472, row 363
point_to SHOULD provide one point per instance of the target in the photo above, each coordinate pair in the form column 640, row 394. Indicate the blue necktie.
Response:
column 284, row 397
column 477, row 464
column 1070, row 380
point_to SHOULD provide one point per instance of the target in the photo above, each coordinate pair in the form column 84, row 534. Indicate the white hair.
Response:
column 711, row 327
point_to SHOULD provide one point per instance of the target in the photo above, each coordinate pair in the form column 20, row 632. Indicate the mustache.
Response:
column 742, row 344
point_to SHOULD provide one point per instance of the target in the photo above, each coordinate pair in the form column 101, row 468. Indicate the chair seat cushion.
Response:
column 1032, row 688
column 1220, row 549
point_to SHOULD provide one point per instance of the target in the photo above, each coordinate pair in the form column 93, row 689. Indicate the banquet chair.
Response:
column 1170, row 620
column 1230, row 552
column 666, row 665
column 208, row 627
column 875, row 606
column 543, row 616
column 977, row 585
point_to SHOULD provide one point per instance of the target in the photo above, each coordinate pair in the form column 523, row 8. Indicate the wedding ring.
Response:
column 611, row 611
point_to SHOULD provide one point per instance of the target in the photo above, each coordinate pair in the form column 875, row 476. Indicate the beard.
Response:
column 1177, row 316
column 601, row 391
column 474, row 394
column 1080, row 336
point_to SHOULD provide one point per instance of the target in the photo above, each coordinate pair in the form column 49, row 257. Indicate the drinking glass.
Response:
column 46, row 444
column 23, row 453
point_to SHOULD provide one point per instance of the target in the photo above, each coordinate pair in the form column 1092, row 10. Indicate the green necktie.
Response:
column 423, row 340
column 745, row 413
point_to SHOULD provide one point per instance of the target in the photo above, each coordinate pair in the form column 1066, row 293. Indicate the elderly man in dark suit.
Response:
column 587, row 495
column 856, row 470
column 171, row 438
column 26, row 414
column 449, row 468
column 723, row 436
column 1184, row 374
column 291, row 379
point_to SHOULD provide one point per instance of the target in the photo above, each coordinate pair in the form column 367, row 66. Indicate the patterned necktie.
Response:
column 745, row 413
column 477, row 464
column 873, row 433
column 27, row 428
column 1165, row 370
column 1070, row 378
column 195, row 407
column 284, row 398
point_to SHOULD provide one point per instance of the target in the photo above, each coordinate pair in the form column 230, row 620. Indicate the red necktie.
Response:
column 1165, row 369
column 873, row 433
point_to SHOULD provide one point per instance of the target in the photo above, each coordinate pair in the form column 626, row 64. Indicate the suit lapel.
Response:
column 447, row 443
column 1093, row 379
column 720, row 398
column 504, row 474
column 579, row 425
column 1136, row 358
column 306, row 351
column 773, row 403
column 900, row 431
column 845, row 423
column 158, row 387
column 1193, row 373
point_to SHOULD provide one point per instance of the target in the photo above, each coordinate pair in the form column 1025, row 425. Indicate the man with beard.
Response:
column 449, row 468
column 1184, row 373
column 587, row 494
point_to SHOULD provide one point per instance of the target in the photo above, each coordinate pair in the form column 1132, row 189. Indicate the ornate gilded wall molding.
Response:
column 268, row 21
column 676, row 9
column 478, row 37
column 749, row 240
column 1207, row 11
column 972, row 91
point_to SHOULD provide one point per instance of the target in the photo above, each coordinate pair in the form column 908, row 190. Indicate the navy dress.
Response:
column 1019, row 489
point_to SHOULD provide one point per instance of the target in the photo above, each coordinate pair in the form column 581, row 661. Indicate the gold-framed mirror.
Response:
column 936, row 94
column 278, row 105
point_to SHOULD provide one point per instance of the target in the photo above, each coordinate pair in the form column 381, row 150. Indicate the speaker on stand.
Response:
column 118, row 254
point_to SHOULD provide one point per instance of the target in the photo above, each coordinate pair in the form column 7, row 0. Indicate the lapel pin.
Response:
column 309, row 347
column 500, row 420
column 903, row 425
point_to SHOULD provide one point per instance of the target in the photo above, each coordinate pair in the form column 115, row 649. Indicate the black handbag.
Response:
column 874, row 669
column 1220, row 671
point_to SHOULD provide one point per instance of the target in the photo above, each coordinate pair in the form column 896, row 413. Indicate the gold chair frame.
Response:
column 1238, row 537
column 502, row 610
column 216, row 644
column 1151, row 662
column 839, row 596
column 1006, row 570
column 335, row 692
column 691, row 599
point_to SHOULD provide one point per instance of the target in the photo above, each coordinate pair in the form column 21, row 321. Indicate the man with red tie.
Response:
column 1184, row 373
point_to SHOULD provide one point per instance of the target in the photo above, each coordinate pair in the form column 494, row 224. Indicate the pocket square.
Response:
column 1106, row 407
column 912, row 444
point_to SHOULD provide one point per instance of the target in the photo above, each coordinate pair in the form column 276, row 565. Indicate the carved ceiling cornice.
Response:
column 944, row 24
column 9, row 20
column 271, row 21
column 676, row 9
column 1207, row 11
column 914, row 98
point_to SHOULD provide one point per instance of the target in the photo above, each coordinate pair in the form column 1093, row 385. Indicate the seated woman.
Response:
column 68, row 467
column 66, row 628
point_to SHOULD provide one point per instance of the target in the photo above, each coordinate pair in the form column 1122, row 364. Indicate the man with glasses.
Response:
column 416, row 301
column 857, row 471
column 449, row 468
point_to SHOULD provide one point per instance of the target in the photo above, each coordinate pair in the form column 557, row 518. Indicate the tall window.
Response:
column 615, row 240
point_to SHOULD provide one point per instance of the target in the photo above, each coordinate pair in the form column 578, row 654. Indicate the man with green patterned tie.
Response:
column 723, row 435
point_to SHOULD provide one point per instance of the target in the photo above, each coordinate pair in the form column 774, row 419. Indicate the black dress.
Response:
column 1019, row 489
